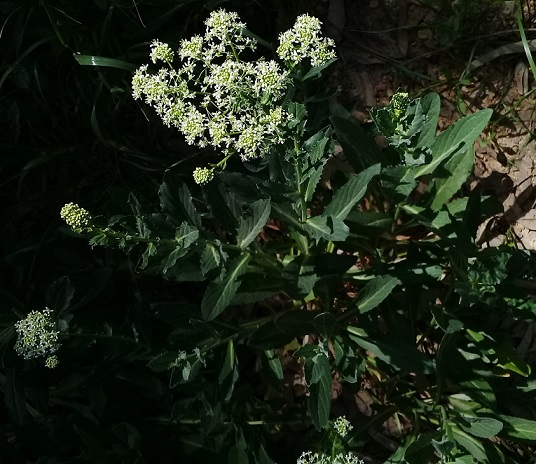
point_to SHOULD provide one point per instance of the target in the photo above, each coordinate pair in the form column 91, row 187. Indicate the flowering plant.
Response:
column 217, row 99
column 371, row 274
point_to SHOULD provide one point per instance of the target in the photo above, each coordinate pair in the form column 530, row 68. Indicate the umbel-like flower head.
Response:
column 215, row 98
column 305, row 41
column 37, row 337
column 342, row 426
column 77, row 218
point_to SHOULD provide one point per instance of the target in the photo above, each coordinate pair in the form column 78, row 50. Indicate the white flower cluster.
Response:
column 304, row 41
column 215, row 98
column 37, row 337
column 309, row 457
column 342, row 426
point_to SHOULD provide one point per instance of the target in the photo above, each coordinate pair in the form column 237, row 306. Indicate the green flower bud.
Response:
column 399, row 104
column 77, row 218
column 203, row 176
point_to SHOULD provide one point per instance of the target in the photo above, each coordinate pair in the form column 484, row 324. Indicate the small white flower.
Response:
column 192, row 124
column 315, row 458
column 37, row 336
column 192, row 49
column 342, row 426
column 303, row 41
column 270, row 79
column 161, row 51
column 215, row 98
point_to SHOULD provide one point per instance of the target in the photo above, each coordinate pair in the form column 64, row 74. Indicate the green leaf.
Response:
column 400, row 356
column 184, row 237
column 299, row 277
column 316, row 367
column 459, row 167
column 315, row 146
column 164, row 361
column 150, row 251
column 210, row 258
column 283, row 329
column 274, row 364
column 317, row 70
column 458, row 137
column 414, row 451
column 251, row 225
column 517, row 428
column 431, row 106
column 351, row 193
column 14, row 397
column 92, row 60
column 287, row 215
column 229, row 371
column 59, row 295
column 220, row 294
column 256, row 287
column 480, row 390
column 6, row 335
column 377, row 290
column 482, row 427
column 469, row 443
column 176, row 201
column 325, row 324
column 312, row 182
column 222, row 204
column 327, row 227
column 359, row 147
column 318, row 378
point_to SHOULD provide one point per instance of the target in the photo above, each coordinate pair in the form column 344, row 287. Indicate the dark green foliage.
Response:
column 181, row 327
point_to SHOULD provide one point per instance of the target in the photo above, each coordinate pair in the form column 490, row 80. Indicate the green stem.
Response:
column 299, row 176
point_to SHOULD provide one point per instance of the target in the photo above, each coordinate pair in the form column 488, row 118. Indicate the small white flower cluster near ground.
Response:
column 37, row 337
column 314, row 458
column 342, row 426
column 215, row 98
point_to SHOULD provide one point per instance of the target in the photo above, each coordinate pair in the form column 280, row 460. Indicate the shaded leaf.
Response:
column 253, row 222
column 176, row 201
column 351, row 193
column 282, row 330
column 220, row 294
column 59, row 295
column 377, row 290
column 14, row 397
column 327, row 227
column 318, row 378
column 399, row 355
column 184, row 236
column 470, row 444
column 517, row 428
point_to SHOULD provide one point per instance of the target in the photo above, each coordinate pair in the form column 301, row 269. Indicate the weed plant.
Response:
column 274, row 283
